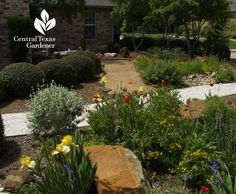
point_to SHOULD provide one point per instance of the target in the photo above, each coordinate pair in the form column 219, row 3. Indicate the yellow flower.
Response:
column 141, row 88
column 61, row 148
column 67, row 140
column 27, row 162
column 104, row 79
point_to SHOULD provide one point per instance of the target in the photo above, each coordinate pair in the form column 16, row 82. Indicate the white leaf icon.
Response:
column 44, row 16
column 40, row 26
column 50, row 24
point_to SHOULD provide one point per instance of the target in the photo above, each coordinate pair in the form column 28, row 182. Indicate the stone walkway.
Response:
column 16, row 123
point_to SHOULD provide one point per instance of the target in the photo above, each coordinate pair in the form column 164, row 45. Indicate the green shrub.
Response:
column 114, row 47
column 166, row 54
column 195, row 163
column 135, row 124
column 53, row 110
column 96, row 60
column 224, row 75
column 84, row 66
column 60, row 72
column 20, row 26
column 159, row 70
column 124, row 52
column 1, row 133
column 103, row 48
column 29, row 188
column 230, row 29
column 20, row 78
column 65, row 170
column 2, row 65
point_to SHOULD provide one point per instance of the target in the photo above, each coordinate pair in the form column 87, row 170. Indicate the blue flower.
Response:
column 185, row 181
column 68, row 169
column 214, row 165
column 217, row 183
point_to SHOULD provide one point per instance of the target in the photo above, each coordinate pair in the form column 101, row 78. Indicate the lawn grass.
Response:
column 232, row 44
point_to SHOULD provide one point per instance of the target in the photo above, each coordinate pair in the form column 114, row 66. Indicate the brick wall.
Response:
column 9, row 8
column 69, row 34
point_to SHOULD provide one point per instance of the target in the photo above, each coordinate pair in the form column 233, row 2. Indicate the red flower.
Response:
column 168, row 90
column 125, row 90
column 145, row 94
column 188, row 101
column 163, row 82
column 211, row 84
column 135, row 91
column 127, row 99
column 205, row 189
column 229, row 102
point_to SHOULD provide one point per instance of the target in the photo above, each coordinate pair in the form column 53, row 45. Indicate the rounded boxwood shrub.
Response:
column 53, row 110
column 84, row 66
column 1, row 133
column 20, row 78
column 96, row 60
column 59, row 71
column 103, row 48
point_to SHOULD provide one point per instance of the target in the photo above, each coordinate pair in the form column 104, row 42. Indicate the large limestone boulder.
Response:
column 118, row 170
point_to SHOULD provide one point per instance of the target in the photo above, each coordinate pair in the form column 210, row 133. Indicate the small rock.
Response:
column 99, row 55
column 13, row 182
column 111, row 55
column 1, row 189
column 213, row 75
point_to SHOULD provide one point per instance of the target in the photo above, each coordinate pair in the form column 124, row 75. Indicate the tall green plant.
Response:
column 68, row 169
column 18, row 26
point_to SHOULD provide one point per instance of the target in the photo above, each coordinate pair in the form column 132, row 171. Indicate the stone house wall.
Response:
column 9, row 8
column 69, row 34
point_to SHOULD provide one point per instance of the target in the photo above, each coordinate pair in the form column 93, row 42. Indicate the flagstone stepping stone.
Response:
column 118, row 170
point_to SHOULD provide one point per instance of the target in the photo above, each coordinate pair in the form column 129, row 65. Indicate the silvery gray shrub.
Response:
column 53, row 110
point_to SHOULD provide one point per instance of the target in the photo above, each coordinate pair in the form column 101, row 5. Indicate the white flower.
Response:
column 32, row 164
column 66, row 149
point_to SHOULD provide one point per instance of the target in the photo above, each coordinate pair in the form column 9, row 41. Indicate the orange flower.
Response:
column 211, row 84
column 127, row 99
column 168, row 90
column 131, row 83
column 145, row 94
column 135, row 91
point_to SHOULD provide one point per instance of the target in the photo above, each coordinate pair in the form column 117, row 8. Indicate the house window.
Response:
column 90, row 25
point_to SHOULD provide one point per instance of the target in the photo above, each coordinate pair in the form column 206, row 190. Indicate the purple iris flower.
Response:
column 185, row 181
column 214, row 166
column 217, row 183
column 68, row 169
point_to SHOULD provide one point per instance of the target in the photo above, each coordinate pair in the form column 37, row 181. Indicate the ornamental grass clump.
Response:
column 64, row 169
column 53, row 110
